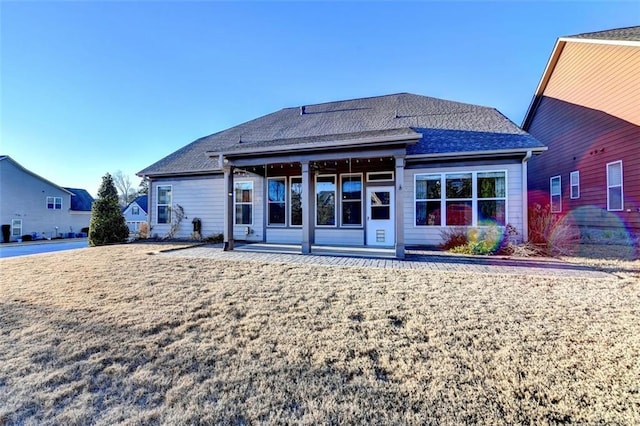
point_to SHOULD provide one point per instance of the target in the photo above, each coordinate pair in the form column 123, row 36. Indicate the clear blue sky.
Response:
column 96, row 87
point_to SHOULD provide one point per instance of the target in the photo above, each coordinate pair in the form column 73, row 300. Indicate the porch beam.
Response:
column 399, row 207
column 328, row 156
column 228, row 208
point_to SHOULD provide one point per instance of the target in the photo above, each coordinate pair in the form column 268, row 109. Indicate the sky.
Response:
column 90, row 87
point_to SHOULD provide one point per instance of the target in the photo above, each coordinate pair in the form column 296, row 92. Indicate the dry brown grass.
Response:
column 115, row 335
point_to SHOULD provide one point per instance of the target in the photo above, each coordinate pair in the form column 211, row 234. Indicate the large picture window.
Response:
column 243, row 199
column 164, row 204
column 615, row 198
column 326, row 201
column 296, row 201
column 351, row 200
column 461, row 199
column 54, row 203
column 277, row 191
column 428, row 200
column 555, row 192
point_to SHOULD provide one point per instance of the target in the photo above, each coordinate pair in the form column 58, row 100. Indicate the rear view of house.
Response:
column 586, row 109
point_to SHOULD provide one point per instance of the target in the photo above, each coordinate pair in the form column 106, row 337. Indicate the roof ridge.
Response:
column 354, row 99
column 610, row 33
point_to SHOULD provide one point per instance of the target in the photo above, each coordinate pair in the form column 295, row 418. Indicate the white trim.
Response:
column 574, row 182
column 632, row 43
column 53, row 202
column 286, row 202
column 335, row 201
column 370, row 174
column 291, row 178
column 551, row 193
column 426, row 200
column 243, row 203
column 14, row 227
column 168, row 205
column 621, row 186
column 342, row 200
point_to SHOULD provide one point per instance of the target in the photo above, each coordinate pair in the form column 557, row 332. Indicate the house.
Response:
column 586, row 109
column 32, row 205
column 384, row 172
column 135, row 213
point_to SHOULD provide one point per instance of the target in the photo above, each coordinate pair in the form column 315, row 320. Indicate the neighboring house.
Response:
column 31, row 204
column 135, row 213
column 586, row 109
column 387, row 171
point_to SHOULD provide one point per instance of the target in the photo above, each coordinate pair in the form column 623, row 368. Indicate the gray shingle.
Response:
column 622, row 34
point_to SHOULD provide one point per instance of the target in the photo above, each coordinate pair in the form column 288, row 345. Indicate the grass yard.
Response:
column 122, row 335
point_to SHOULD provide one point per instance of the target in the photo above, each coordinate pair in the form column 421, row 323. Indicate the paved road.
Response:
column 37, row 247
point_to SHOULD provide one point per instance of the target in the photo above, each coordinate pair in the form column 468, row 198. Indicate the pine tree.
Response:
column 107, row 224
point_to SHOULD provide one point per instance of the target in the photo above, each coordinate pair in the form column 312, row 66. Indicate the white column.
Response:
column 399, row 207
column 307, row 208
column 228, row 208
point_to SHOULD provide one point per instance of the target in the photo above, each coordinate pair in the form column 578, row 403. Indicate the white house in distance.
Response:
column 135, row 213
column 32, row 205
column 385, row 172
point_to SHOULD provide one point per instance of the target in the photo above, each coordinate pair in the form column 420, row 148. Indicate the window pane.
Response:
column 277, row 213
column 459, row 185
column 164, row 214
column 615, row 198
column 244, row 214
column 459, row 213
column 50, row 202
column 428, row 213
column 491, row 185
column 244, row 192
column 352, row 213
column 277, row 190
column 58, row 202
column 614, row 177
column 556, row 205
column 555, row 185
column 326, row 200
column 428, row 186
column 380, row 212
column 380, row 198
column 164, row 195
column 351, row 188
column 492, row 212
column 296, row 201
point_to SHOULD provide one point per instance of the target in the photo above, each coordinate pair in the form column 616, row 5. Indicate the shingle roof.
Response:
column 475, row 128
column 81, row 200
column 622, row 34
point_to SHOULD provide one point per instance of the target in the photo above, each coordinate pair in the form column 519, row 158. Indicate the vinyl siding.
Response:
column 339, row 236
column 284, row 235
column 430, row 235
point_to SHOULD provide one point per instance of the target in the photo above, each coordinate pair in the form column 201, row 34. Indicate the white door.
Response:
column 380, row 216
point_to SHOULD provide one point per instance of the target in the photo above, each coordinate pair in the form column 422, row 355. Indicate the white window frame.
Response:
column 269, row 202
column 135, row 210
column 558, row 194
column 56, row 202
column 335, row 201
column 16, row 224
column 609, row 186
column 371, row 176
column 342, row 200
column 289, row 192
column 241, row 203
column 574, row 181
column 158, row 205
column 474, row 196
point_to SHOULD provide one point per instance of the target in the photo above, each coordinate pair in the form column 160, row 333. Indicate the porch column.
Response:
column 228, row 208
column 307, row 208
column 399, row 206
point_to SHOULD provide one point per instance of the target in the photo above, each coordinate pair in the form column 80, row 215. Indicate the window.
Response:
column 244, row 203
column 296, row 201
column 351, row 200
column 459, row 201
column 556, row 194
column 54, row 203
column 164, row 204
column 575, row 184
column 428, row 195
column 492, row 198
column 380, row 177
column 326, row 201
column 135, row 210
column 16, row 228
column 276, row 200
column 615, row 200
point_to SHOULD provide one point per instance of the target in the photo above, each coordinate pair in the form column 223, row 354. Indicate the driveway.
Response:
column 37, row 247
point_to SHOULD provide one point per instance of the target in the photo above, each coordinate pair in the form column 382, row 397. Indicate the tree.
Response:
column 143, row 188
column 123, row 183
column 107, row 224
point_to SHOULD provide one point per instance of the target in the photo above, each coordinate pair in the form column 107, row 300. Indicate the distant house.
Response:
column 586, row 109
column 383, row 172
column 32, row 205
column 135, row 213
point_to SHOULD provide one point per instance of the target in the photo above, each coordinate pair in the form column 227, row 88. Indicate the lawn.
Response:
column 125, row 334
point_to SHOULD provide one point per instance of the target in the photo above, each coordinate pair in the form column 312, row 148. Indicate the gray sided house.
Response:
column 32, row 205
column 384, row 172
column 135, row 213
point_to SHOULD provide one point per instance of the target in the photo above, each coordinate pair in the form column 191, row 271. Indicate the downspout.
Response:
column 525, row 197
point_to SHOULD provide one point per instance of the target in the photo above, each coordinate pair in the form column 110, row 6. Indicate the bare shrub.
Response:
column 453, row 237
column 552, row 233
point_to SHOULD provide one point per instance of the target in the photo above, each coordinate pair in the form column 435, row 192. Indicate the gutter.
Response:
column 525, row 197
column 496, row 152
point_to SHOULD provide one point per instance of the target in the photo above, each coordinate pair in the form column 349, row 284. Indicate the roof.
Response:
column 18, row 165
column 140, row 201
column 81, row 200
column 629, row 36
column 618, row 34
column 401, row 115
